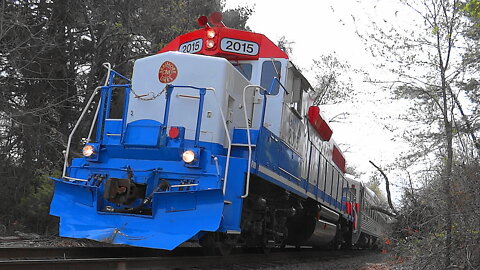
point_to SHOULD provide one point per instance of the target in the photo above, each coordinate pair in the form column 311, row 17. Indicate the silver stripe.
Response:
column 285, row 171
column 184, row 185
column 282, row 179
column 75, row 179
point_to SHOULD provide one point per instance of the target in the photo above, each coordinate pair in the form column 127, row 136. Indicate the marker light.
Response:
column 188, row 156
column 216, row 17
column 88, row 150
column 210, row 43
column 202, row 21
column 173, row 132
column 211, row 33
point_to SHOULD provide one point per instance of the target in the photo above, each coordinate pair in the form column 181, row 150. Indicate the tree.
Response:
column 51, row 55
column 332, row 83
column 426, row 68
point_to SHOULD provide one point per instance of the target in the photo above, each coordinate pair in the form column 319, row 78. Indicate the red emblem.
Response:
column 168, row 72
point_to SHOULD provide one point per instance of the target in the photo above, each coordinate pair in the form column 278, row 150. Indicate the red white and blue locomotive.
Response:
column 215, row 140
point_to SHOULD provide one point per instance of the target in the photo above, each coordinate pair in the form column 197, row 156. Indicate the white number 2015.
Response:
column 191, row 46
column 239, row 46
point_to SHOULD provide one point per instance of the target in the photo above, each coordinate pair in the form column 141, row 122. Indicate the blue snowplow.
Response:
column 176, row 216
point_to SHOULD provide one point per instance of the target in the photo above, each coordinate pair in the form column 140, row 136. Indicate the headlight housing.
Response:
column 91, row 151
column 191, row 157
column 88, row 150
column 188, row 156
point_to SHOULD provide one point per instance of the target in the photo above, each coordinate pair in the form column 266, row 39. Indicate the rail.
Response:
column 142, row 258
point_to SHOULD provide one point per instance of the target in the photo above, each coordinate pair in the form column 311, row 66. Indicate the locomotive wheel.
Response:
column 217, row 244
column 347, row 237
column 266, row 250
column 338, row 241
column 223, row 249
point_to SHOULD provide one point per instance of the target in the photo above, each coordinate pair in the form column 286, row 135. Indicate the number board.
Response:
column 239, row 46
column 191, row 46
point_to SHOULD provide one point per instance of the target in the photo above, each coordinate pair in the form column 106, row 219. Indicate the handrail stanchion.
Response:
column 109, row 84
column 247, row 186
column 199, row 115
column 67, row 151
column 227, row 162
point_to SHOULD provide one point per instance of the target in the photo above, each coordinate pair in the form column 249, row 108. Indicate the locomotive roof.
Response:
column 244, row 45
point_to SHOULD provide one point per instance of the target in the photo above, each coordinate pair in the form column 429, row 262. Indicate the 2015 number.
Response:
column 239, row 46
column 191, row 46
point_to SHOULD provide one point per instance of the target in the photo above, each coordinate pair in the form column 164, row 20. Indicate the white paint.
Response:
column 194, row 70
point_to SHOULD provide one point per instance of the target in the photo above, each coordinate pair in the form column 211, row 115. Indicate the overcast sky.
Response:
column 324, row 27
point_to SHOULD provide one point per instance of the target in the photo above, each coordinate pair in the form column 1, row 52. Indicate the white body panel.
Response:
column 194, row 70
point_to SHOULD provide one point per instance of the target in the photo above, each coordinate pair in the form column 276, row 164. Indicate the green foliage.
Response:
column 35, row 206
column 472, row 8
column 375, row 185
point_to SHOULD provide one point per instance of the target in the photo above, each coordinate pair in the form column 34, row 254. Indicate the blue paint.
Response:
column 112, row 129
column 143, row 133
column 177, row 217
column 240, row 136
column 235, row 189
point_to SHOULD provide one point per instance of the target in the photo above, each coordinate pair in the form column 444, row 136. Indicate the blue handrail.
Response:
column 105, row 102
column 269, row 92
column 202, row 91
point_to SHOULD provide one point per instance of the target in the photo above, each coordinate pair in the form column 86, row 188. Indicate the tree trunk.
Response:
column 447, row 192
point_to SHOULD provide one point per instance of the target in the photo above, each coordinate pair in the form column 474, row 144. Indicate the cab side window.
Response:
column 271, row 69
column 245, row 69
column 296, row 85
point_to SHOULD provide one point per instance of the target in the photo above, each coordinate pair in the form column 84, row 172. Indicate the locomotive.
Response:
column 215, row 140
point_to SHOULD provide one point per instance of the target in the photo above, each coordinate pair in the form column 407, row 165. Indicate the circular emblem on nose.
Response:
column 168, row 72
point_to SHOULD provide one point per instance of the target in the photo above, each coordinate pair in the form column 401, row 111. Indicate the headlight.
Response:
column 188, row 156
column 88, row 150
column 211, row 33
column 210, row 43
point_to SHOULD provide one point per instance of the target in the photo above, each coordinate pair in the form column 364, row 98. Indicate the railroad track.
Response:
column 142, row 258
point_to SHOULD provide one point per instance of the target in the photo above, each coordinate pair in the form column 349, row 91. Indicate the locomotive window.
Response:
column 245, row 69
column 270, row 69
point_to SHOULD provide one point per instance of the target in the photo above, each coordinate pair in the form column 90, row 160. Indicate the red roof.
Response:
column 258, row 45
